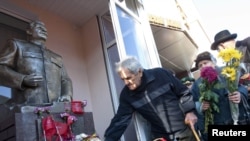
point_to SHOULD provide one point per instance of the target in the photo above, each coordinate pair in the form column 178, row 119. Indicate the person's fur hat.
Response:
column 204, row 56
column 222, row 36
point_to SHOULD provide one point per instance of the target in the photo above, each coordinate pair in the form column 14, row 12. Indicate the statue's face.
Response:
column 39, row 32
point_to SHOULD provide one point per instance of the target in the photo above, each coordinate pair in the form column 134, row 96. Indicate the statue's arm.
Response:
column 9, row 77
column 67, row 88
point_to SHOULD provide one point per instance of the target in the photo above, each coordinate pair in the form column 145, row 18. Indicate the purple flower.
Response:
column 210, row 81
column 209, row 74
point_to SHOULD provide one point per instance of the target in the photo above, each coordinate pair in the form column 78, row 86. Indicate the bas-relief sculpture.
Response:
column 35, row 74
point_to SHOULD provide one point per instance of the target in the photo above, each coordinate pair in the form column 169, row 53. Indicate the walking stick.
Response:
column 193, row 130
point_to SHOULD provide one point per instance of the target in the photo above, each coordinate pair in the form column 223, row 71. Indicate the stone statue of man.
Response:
column 35, row 74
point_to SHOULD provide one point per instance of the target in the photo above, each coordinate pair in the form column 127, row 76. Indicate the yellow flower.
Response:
column 229, row 72
column 229, row 53
column 231, row 57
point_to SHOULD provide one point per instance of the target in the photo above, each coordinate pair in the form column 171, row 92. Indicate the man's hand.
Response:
column 205, row 105
column 190, row 118
column 32, row 80
column 234, row 97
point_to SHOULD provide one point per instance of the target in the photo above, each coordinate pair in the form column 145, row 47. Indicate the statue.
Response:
column 35, row 74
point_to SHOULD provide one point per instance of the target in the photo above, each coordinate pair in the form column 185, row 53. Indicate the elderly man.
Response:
column 224, row 39
column 159, row 97
column 35, row 74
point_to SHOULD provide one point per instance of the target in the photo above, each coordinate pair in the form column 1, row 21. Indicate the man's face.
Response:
column 132, row 81
column 39, row 32
column 205, row 63
column 226, row 44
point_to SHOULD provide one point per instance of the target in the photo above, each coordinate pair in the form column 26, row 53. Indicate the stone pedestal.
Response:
column 22, row 126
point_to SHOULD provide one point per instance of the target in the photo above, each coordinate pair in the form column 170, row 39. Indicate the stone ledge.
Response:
column 22, row 126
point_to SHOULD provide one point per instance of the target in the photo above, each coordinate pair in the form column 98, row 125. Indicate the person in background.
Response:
column 225, row 39
column 159, row 97
column 188, row 81
column 35, row 74
column 206, row 59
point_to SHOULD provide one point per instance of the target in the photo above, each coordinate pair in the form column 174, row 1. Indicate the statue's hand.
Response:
column 32, row 80
column 65, row 98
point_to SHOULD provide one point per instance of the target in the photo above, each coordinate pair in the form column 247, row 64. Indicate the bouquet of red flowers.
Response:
column 209, row 81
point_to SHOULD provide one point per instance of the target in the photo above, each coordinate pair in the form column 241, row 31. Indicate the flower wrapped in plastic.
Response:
column 209, row 82
column 69, row 119
column 231, row 57
column 40, row 111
